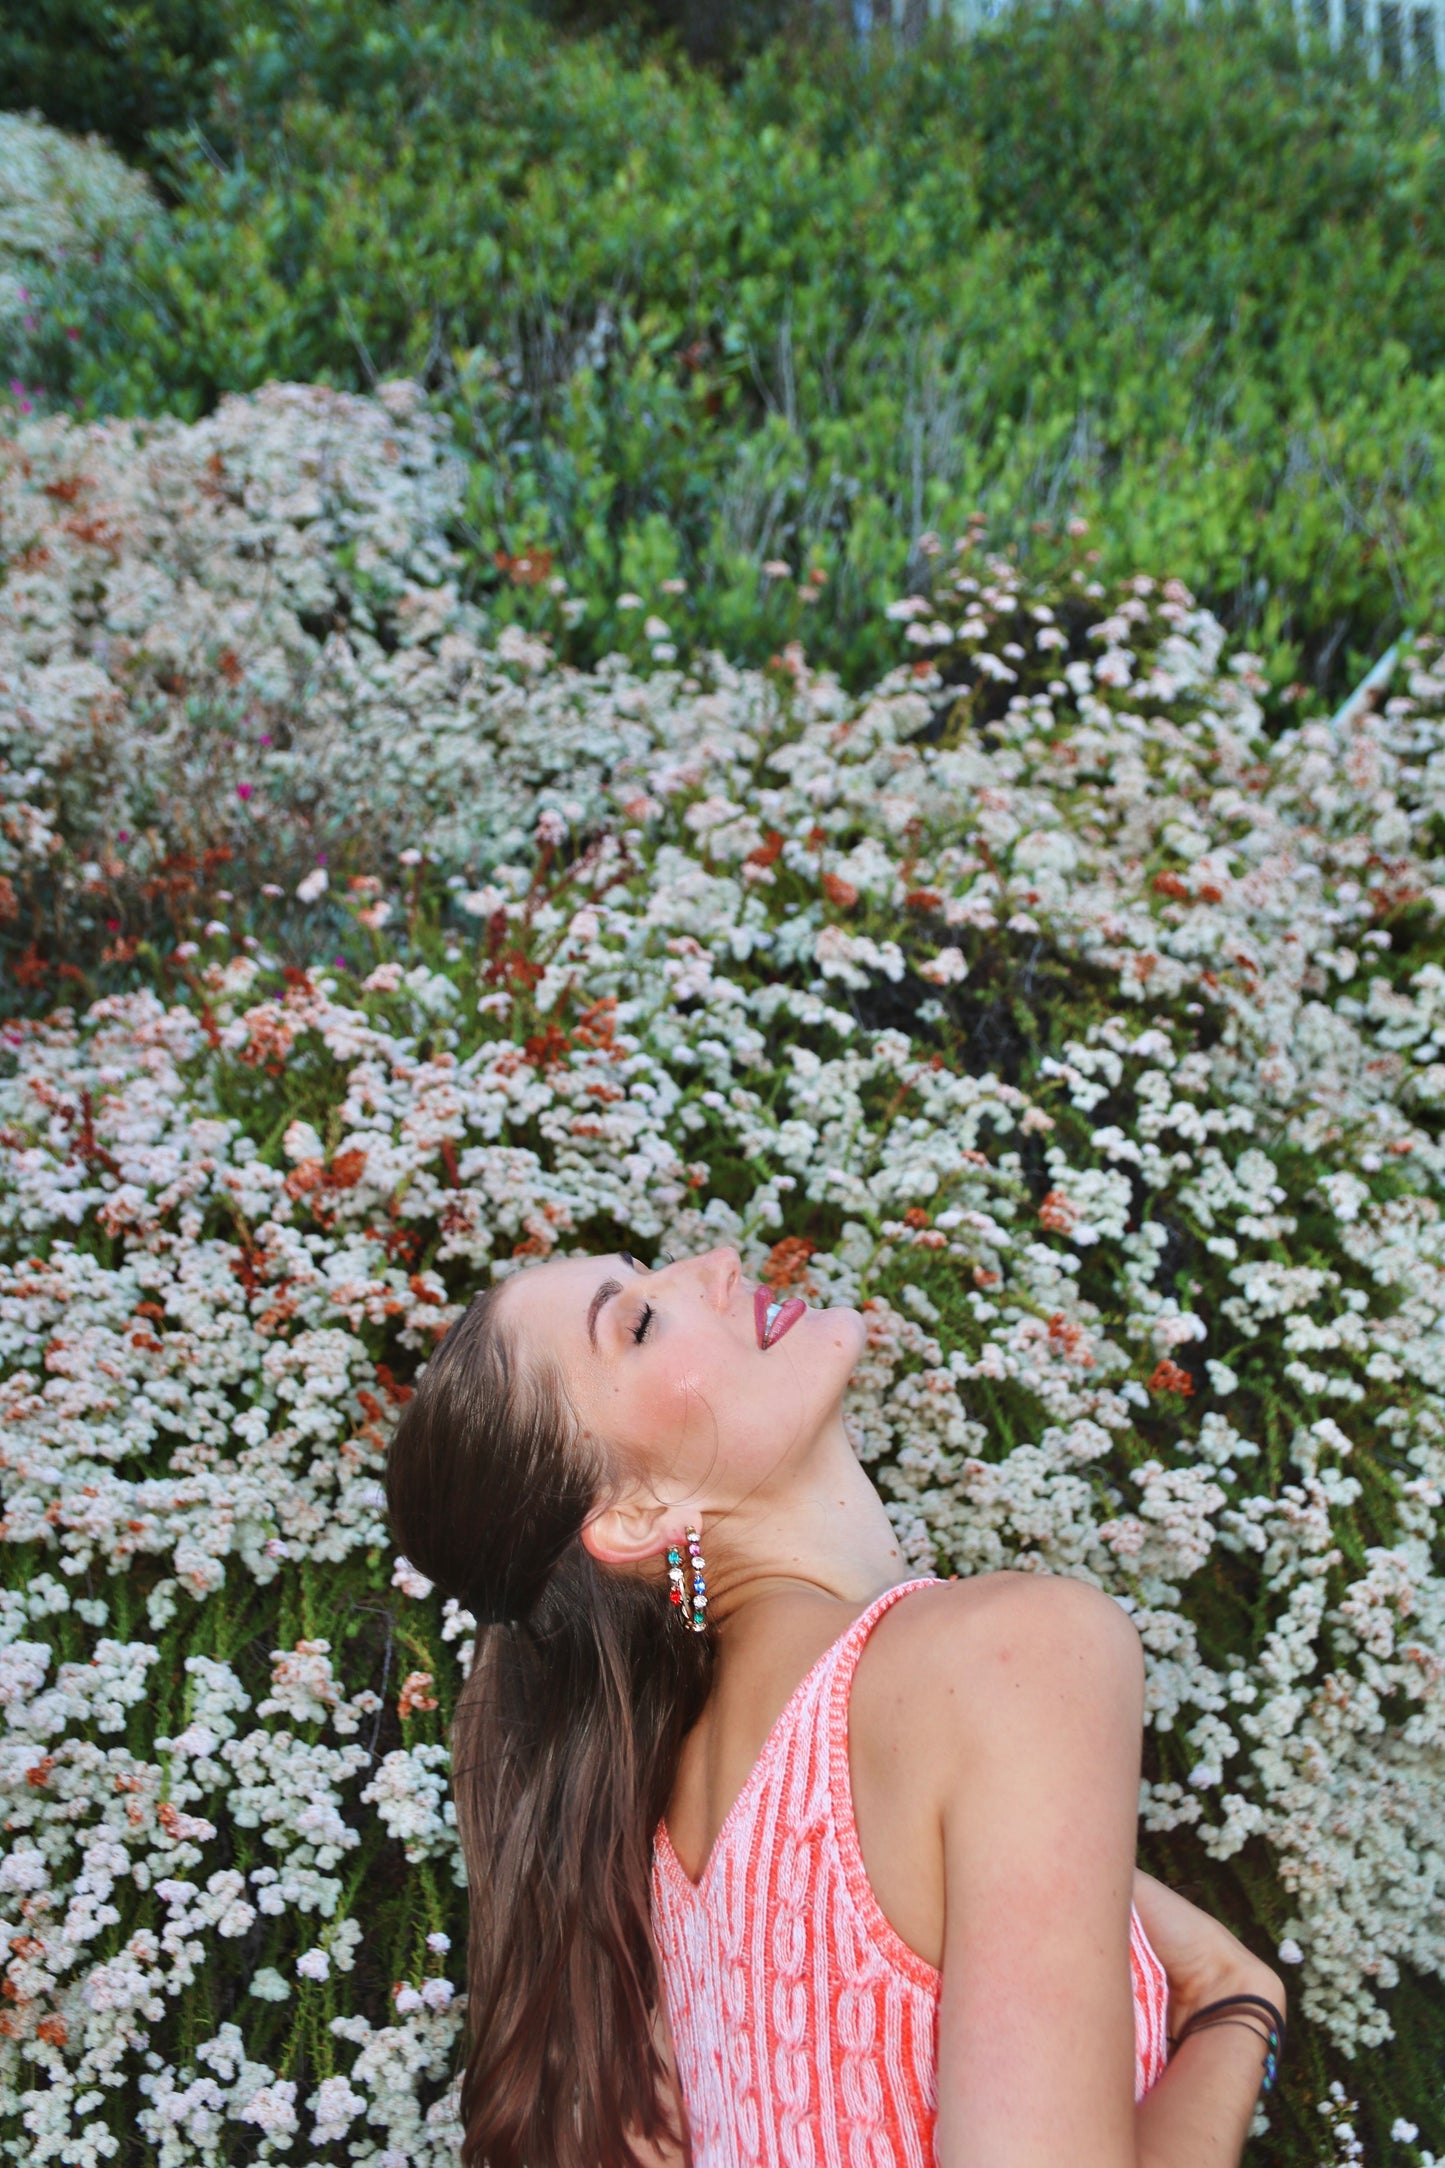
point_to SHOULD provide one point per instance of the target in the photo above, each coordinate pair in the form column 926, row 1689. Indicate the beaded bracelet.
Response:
column 1273, row 2039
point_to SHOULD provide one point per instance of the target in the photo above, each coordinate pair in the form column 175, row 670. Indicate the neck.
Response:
column 825, row 1531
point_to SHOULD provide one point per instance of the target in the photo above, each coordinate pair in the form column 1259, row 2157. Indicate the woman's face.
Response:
column 665, row 1368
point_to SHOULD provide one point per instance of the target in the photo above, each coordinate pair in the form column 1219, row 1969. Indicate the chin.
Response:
column 846, row 1326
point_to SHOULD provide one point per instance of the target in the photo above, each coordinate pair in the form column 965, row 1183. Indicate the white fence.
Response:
column 1394, row 37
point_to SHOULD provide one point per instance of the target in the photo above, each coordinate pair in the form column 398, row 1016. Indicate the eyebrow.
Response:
column 607, row 1288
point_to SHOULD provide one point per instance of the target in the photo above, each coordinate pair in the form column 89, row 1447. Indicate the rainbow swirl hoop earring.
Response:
column 693, row 1613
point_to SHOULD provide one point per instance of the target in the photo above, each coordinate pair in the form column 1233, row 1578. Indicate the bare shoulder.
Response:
column 955, row 1663
column 1004, row 1619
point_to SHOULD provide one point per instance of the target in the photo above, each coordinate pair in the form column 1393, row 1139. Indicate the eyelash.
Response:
column 639, row 1331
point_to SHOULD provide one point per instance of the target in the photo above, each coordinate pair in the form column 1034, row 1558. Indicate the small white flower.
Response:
column 273, row 2108
column 409, row 1581
column 946, row 968
column 336, row 2106
column 314, row 885
column 482, row 902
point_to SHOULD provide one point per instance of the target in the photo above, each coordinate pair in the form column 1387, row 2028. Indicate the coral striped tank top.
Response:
column 805, row 2028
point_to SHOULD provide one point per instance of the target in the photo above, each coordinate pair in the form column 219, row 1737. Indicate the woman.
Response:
column 782, row 1854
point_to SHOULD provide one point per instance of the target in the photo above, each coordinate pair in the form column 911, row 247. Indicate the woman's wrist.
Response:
column 1239, row 1975
column 1201, row 2109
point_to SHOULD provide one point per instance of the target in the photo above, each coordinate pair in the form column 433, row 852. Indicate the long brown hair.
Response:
column 564, row 1745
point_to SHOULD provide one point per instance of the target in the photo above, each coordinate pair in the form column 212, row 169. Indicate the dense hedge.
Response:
column 1139, row 268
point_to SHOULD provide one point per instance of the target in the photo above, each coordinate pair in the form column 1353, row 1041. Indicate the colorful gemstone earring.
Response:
column 693, row 1614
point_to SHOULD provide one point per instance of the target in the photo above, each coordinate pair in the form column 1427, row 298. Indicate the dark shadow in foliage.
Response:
column 121, row 71
column 712, row 33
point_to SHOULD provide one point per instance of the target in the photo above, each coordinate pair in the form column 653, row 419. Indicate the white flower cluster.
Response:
column 88, row 1828
column 1037, row 1002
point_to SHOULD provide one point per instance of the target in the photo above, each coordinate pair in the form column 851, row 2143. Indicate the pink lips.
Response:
column 789, row 1314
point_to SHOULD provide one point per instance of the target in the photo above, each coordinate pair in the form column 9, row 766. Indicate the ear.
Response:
column 627, row 1533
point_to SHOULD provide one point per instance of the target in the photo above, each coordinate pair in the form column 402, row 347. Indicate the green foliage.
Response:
column 1142, row 270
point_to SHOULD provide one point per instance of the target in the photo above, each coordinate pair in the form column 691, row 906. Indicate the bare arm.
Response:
column 1044, row 1685
column 1039, row 1689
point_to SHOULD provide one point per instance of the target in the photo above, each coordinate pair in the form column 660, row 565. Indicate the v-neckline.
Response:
column 663, row 1836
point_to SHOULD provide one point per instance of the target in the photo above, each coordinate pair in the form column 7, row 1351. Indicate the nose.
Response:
column 724, row 1268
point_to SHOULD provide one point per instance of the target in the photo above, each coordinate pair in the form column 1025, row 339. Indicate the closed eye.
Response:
column 639, row 1330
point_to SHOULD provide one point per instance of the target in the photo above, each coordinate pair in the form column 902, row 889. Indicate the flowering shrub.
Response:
column 1039, row 1002
column 241, row 646
column 62, row 198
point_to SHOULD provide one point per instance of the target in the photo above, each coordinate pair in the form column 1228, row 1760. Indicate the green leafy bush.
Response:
column 1141, row 269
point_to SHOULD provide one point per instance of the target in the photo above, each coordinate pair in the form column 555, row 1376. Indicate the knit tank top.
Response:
column 805, row 2028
